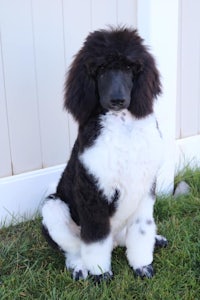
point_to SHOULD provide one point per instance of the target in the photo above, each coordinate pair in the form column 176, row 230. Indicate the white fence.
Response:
column 37, row 42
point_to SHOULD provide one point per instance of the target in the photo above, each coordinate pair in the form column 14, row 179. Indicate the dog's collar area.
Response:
column 123, row 116
column 119, row 113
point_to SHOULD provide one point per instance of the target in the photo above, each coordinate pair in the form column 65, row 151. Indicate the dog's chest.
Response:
column 124, row 157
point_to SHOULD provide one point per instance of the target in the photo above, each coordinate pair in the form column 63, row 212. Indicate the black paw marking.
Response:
column 77, row 275
column 146, row 271
column 97, row 279
column 161, row 241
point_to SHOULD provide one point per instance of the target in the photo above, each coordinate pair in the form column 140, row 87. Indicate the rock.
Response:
column 182, row 189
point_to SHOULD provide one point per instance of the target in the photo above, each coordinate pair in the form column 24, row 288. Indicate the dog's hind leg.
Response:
column 65, row 233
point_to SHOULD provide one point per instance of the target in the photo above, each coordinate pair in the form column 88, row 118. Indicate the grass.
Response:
column 30, row 269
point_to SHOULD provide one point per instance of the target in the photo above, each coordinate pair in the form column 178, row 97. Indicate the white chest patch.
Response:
column 125, row 157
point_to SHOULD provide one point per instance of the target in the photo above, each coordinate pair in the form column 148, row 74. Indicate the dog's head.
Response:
column 112, row 71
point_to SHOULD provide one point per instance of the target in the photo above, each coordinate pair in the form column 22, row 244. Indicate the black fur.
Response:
column 112, row 49
column 88, row 206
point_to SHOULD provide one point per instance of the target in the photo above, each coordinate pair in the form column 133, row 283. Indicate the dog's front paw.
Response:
column 107, row 276
column 146, row 271
column 161, row 241
column 79, row 274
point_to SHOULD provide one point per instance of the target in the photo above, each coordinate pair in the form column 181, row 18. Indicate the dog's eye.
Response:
column 101, row 68
column 128, row 67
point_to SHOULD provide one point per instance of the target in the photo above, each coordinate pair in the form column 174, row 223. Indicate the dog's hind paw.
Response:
column 146, row 271
column 161, row 241
column 107, row 276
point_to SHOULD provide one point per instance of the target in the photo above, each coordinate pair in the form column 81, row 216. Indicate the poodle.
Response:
column 106, row 194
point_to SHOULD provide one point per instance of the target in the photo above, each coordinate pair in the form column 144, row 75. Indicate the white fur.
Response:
column 97, row 256
column 125, row 156
column 141, row 234
column 75, row 263
column 62, row 229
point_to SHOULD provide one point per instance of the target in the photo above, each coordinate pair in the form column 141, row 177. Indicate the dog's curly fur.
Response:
column 106, row 48
column 105, row 196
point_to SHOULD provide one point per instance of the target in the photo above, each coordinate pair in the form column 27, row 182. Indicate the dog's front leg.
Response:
column 140, row 239
column 97, row 258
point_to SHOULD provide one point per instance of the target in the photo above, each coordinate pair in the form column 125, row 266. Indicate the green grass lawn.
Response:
column 30, row 269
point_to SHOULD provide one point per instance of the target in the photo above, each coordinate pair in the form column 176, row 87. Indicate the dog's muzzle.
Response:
column 118, row 104
column 114, row 88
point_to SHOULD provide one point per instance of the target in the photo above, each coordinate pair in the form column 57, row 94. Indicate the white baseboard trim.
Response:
column 21, row 195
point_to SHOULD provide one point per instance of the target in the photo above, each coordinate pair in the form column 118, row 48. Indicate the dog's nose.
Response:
column 117, row 103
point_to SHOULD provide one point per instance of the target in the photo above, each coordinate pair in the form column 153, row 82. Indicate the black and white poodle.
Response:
column 106, row 194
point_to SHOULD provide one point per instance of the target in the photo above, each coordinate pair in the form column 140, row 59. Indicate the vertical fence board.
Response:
column 77, row 24
column 103, row 13
column 17, row 49
column 190, row 68
column 50, row 69
column 5, row 159
column 127, row 12
column 179, row 69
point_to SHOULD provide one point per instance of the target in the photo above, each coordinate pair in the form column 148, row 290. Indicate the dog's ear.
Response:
column 80, row 97
column 146, row 86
